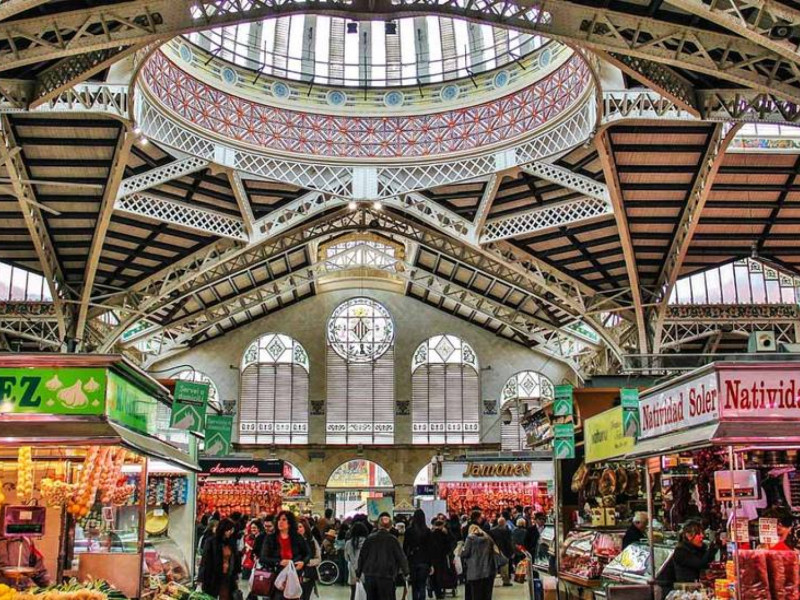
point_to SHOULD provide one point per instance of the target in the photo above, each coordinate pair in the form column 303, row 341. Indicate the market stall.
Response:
column 77, row 438
column 495, row 484
column 721, row 448
column 248, row 486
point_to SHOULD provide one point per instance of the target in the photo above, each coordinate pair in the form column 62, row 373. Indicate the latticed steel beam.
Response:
column 76, row 69
column 183, row 215
column 568, row 179
column 9, row 8
column 658, row 77
column 155, row 177
column 728, row 57
column 545, row 217
column 120, row 159
column 752, row 19
column 485, row 205
column 41, row 331
column 11, row 155
column 242, row 201
column 689, row 220
column 15, row 93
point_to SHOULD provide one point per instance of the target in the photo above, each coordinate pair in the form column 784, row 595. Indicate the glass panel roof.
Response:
column 408, row 51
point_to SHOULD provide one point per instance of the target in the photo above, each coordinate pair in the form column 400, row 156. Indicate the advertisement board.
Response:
column 688, row 404
column 604, row 436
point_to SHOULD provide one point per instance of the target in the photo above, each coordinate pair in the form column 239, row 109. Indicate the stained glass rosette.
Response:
column 360, row 330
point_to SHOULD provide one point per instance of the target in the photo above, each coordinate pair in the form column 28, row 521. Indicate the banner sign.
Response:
column 688, row 404
column 495, row 471
column 425, row 490
column 131, row 406
column 189, row 406
column 218, row 435
column 629, row 398
column 562, row 401
column 752, row 392
column 604, row 436
column 564, row 441
column 242, row 468
column 53, row 391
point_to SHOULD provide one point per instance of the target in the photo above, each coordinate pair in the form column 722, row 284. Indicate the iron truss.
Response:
column 686, row 324
column 743, row 55
column 222, row 262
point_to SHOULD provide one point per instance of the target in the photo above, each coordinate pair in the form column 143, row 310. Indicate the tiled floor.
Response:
column 515, row 592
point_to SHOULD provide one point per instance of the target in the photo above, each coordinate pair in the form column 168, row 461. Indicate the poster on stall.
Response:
column 189, row 406
column 768, row 531
column 218, row 435
column 376, row 506
column 741, row 531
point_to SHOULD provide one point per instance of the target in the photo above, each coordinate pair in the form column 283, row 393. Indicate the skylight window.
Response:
column 21, row 285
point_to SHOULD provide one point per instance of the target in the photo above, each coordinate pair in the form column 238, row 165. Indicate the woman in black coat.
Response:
column 416, row 545
column 441, row 551
column 221, row 563
column 284, row 546
column 692, row 555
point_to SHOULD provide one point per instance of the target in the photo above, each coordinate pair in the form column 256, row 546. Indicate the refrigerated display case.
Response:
column 586, row 553
column 546, row 551
column 632, row 565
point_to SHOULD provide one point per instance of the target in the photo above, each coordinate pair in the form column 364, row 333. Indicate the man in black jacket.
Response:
column 380, row 560
column 501, row 535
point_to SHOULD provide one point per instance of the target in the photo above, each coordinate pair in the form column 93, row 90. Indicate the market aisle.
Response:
column 515, row 592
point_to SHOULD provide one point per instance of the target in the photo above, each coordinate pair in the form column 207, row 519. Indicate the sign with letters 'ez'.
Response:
column 54, row 391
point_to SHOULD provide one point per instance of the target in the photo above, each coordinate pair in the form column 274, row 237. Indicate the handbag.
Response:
column 262, row 582
column 500, row 559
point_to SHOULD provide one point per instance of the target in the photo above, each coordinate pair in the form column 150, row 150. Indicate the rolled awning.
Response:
column 725, row 433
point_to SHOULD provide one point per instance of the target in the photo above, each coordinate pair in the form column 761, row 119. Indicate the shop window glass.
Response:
column 273, row 392
column 524, row 390
column 21, row 285
column 360, row 374
column 445, row 396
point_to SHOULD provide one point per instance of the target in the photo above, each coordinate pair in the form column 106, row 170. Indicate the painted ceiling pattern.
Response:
column 466, row 129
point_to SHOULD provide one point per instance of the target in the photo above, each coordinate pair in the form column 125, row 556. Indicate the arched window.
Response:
column 523, row 390
column 445, row 392
column 273, row 395
column 360, row 378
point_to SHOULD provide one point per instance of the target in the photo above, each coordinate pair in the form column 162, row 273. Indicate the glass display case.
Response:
column 546, row 550
column 164, row 562
column 587, row 552
column 632, row 565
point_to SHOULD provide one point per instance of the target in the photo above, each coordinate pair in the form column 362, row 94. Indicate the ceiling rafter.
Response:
column 161, row 174
column 710, row 163
column 680, row 44
column 116, row 172
column 485, row 205
column 11, row 154
column 243, row 202
column 568, row 179
column 606, row 155
column 9, row 8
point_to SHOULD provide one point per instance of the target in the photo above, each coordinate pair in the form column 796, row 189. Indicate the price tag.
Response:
column 741, row 531
column 25, row 515
column 158, row 512
column 768, row 531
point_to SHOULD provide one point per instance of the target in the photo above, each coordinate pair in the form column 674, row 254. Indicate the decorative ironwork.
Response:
column 402, row 408
column 178, row 213
column 444, row 350
column 275, row 348
column 733, row 312
column 360, row 330
column 317, row 408
column 490, row 407
column 155, row 177
column 568, row 179
column 545, row 217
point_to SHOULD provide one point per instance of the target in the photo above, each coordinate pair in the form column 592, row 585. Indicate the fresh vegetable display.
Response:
column 176, row 591
column 73, row 590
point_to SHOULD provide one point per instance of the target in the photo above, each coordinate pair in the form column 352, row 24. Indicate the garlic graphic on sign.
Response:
column 187, row 422
column 215, row 448
column 73, row 396
column 53, row 384
column 91, row 386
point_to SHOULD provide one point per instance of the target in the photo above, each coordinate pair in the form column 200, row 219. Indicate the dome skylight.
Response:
column 319, row 49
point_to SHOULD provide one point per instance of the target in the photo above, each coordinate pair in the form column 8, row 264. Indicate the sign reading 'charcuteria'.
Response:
column 687, row 404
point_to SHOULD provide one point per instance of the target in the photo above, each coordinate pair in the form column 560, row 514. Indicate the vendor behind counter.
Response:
column 21, row 552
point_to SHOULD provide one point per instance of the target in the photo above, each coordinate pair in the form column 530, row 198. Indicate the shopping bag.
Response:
column 361, row 593
column 261, row 582
column 289, row 583
column 457, row 564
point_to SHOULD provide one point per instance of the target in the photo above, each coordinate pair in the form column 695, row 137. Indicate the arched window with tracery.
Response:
column 445, row 392
column 360, row 374
column 273, row 395
column 526, row 389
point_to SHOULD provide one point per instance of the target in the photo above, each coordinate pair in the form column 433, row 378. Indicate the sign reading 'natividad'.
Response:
column 687, row 404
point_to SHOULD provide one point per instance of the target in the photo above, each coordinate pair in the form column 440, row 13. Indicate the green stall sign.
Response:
column 189, row 407
column 218, row 435
column 54, row 391
column 131, row 406
column 562, row 401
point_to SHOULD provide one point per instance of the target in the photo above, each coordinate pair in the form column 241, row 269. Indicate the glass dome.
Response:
column 332, row 51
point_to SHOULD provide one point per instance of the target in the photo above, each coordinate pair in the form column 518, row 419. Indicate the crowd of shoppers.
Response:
column 433, row 557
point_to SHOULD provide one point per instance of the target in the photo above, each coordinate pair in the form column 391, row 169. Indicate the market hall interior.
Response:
column 488, row 298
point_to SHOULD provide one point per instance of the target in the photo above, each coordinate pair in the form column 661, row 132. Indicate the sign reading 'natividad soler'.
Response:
column 730, row 392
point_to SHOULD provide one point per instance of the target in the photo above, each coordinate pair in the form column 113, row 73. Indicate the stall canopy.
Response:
column 723, row 404
column 57, row 399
